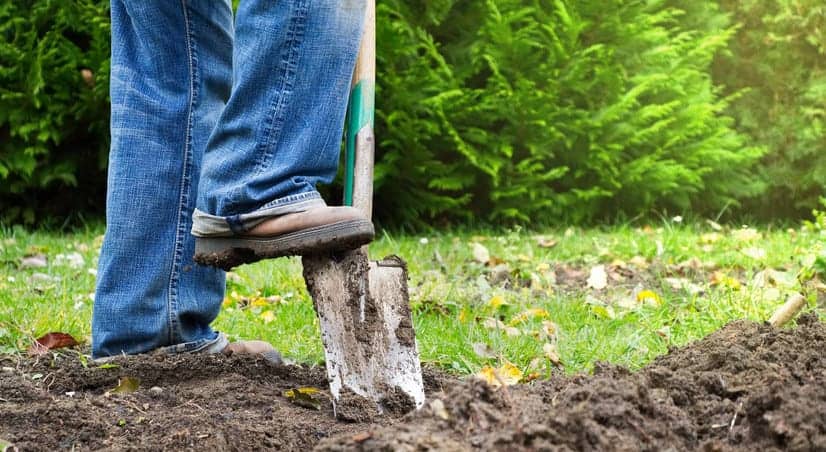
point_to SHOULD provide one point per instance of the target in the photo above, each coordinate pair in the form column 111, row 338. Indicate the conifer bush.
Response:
column 777, row 62
column 54, row 64
column 504, row 110
column 553, row 110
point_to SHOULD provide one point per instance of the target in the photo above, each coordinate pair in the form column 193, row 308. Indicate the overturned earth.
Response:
column 747, row 386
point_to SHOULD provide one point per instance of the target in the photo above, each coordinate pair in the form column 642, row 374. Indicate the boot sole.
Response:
column 228, row 252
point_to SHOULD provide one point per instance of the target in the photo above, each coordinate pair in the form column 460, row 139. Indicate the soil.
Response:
column 746, row 387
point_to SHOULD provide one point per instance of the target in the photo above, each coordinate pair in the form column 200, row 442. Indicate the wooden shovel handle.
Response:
column 363, row 100
column 366, row 62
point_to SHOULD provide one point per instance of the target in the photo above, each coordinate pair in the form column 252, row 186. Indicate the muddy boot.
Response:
column 319, row 230
column 262, row 348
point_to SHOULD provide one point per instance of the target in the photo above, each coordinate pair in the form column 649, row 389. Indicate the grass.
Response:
column 467, row 313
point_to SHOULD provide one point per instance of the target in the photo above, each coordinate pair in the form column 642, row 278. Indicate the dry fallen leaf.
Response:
column 496, row 324
column 549, row 328
column 464, row 314
column 483, row 350
column 51, row 341
column 773, row 278
column 531, row 313
column 72, row 260
column 267, row 316
column 305, row 397
column 552, row 354
column 684, row 284
column 126, row 385
column 545, row 242
column 720, row 278
column 507, row 374
column 259, row 302
column 603, row 312
column 598, row 279
column 755, row 253
column 496, row 301
column 746, row 234
column 481, row 253
column 649, row 297
column 639, row 262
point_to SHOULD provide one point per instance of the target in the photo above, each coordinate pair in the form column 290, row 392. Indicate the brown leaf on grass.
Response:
column 552, row 354
column 639, row 262
column 496, row 262
column 720, row 278
column 545, row 242
column 746, row 235
column 754, row 252
column 598, row 279
column 51, row 341
column 481, row 253
column 484, row 350
column 528, row 314
column 507, row 375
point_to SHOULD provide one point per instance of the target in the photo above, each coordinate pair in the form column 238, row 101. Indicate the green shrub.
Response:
column 778, row 57
column 505, row 110
column 547, row 110
column 54, row 65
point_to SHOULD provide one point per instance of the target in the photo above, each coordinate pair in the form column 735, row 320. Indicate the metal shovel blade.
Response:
column 366, row 327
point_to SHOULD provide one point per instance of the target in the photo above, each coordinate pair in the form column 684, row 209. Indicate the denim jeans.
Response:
column 217, row 123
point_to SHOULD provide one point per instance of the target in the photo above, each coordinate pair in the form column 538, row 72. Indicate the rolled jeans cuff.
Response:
column 206, row 225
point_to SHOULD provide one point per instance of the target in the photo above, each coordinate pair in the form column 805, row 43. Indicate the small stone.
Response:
column 500, row 274
column 156, row 390
column 35, row 261
column 438, row 408
column 43, row 278
column 8, row 369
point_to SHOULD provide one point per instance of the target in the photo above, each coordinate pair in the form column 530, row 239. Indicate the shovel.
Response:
column 363, row 306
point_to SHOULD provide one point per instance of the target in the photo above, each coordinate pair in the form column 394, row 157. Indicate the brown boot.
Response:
column 315, row 231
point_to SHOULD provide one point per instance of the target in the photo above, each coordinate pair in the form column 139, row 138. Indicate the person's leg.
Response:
column 280, row 133
column 170, row 77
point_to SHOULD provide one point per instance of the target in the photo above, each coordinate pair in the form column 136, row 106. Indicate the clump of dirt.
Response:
column 746, row 387
column 186, row 402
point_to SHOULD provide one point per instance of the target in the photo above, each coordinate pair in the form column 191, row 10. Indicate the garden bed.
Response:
column 747, row 386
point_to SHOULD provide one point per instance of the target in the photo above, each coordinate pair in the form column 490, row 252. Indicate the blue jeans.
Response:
column 227, row 122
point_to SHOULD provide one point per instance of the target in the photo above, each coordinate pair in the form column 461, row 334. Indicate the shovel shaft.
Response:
column 360, row 143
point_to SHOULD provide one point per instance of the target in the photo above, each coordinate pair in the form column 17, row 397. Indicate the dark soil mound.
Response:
column 745, row 387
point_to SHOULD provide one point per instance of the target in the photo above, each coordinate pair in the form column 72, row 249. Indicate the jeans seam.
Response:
column 273, row 124
column 183, row 200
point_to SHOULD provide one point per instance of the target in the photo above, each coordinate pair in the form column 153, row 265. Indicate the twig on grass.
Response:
column 787, row 312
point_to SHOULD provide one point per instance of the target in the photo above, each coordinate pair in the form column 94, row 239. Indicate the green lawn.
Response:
column 528, row 299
